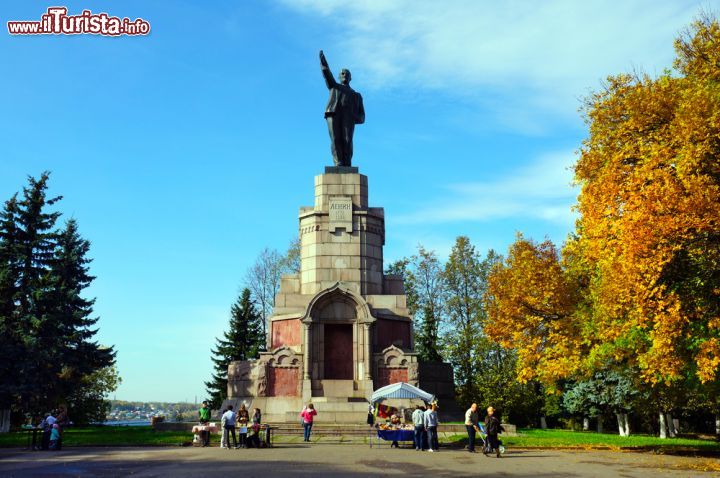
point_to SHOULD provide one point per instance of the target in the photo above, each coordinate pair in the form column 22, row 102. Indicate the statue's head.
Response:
column 345, row 76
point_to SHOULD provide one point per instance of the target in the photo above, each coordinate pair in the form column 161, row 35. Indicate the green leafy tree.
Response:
column 430, row 294
column 496, row 384
column 88, row 402
column 603, row 393
column 466, row 282
column 402, row 269
column 242, row 341
column 422, row 275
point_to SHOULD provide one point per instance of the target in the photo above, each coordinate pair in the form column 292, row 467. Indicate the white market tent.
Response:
column 401, row 390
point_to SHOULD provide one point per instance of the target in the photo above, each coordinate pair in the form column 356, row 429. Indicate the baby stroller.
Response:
column 486, row 443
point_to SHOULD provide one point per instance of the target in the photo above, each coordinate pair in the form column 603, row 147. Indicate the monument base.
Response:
column 341, row 170
column 340, row 327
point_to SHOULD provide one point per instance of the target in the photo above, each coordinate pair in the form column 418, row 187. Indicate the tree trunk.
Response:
column 670, row 425
column 627, row 424
column 621, row 424
column 600, row 424
column 586, row 424
column 717, row 423
column 663, row 426
column 543, row 423
column 4, row 420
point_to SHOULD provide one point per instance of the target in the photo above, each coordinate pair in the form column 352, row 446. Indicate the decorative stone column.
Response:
column 306, row 351
column 366, row 361
column 306, row 382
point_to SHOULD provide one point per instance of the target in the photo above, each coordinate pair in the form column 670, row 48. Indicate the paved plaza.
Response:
column 326, row 460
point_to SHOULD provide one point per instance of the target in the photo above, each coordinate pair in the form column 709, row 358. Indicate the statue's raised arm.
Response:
column 327, row 74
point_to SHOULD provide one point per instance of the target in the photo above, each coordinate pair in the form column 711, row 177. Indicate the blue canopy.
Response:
column 401, row 390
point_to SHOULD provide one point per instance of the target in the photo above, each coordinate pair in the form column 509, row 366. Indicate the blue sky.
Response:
column 183, row 153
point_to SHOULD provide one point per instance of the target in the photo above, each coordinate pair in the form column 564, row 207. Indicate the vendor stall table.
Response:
column 396, row 435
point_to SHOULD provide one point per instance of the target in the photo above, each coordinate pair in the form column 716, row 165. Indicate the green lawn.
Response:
column 534, row 438
column 107, row 436
column 527, row 438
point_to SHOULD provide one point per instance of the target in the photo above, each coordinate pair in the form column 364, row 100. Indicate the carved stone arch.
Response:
column 338, row 303
column 284, row 357
column 393, row 357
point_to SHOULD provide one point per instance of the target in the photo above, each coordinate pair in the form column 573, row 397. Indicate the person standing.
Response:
column 254, row 439
column 418, row 420
column 223, row 442
column 307, row 416
column 204, row 414
column 492, row 428
column 54, row 438
column 63, row 421
column 395, row 425
column 243, row 417
column 430, row 419
column 229, row 427
column 47, row 426
column 471, row 420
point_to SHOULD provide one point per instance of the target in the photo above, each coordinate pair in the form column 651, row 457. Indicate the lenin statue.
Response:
column 343, row 111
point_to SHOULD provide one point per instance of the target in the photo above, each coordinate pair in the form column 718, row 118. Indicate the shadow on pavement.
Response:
column 112, row 463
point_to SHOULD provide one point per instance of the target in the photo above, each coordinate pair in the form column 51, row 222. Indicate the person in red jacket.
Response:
column 307, row 416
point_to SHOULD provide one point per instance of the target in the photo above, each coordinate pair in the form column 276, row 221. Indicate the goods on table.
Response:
column 390, row 426
column 210, row 427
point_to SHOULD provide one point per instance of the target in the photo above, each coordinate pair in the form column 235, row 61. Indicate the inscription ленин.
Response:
column 341, row 213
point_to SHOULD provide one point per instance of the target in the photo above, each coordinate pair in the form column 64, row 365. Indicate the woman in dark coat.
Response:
column 492, row 428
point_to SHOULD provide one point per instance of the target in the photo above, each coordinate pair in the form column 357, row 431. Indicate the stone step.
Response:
column 341, row 417
column 321, row 399
column 320, row 432
column 356, row 428
column 323, row 407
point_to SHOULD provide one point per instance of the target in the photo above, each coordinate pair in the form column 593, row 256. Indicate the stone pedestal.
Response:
column 341, row 237
column 340, row 327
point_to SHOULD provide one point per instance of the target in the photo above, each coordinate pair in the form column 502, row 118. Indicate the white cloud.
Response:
column 540, row 190
column 521, row 58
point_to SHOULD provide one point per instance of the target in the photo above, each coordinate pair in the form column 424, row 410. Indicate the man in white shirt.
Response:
column 430, row 419
column 471, row 422
column 229, row 418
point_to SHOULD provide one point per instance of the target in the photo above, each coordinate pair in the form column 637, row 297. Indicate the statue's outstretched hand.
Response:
column 323, row 61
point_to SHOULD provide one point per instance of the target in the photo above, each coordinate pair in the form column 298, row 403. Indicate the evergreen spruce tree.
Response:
column 45, row 324
column 243, row 341
column 36, row 242
column 13, row 343
column 78, row 356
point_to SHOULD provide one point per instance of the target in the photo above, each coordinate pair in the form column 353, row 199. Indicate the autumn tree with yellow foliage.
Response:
column 638, row 284
column 531, row 309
